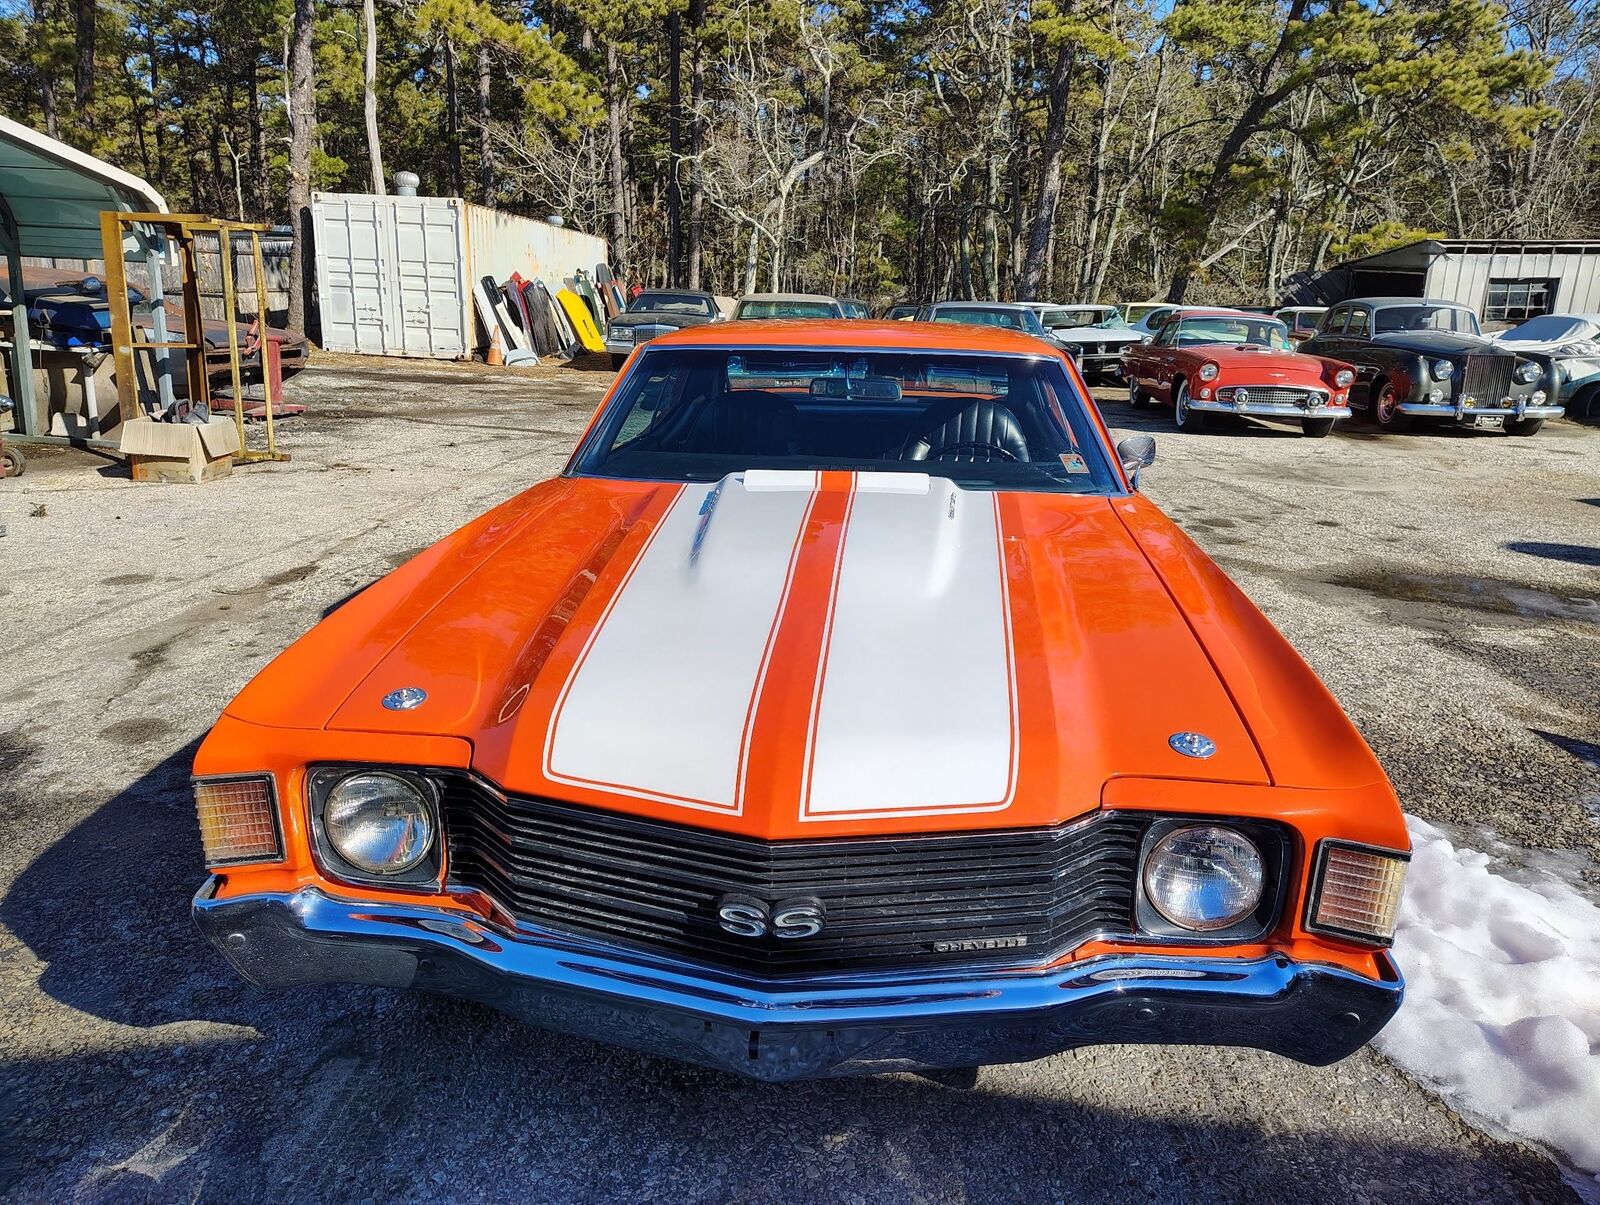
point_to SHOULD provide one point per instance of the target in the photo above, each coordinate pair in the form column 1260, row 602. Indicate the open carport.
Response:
column 51, row 199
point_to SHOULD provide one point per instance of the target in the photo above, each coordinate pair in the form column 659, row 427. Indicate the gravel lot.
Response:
column 1444, row 585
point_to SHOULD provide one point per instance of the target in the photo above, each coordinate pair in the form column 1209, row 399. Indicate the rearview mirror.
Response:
column 1137, row 452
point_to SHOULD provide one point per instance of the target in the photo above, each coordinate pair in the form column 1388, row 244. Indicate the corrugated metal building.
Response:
column 1505, row 282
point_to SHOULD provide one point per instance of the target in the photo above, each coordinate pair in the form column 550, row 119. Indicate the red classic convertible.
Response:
column 1207, row 362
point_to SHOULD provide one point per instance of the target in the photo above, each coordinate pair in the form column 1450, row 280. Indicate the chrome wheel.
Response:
column 1386, row 410
column 1184, row 418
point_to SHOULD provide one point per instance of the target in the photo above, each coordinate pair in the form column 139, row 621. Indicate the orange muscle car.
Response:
column 843, row 706
column 1207, row 362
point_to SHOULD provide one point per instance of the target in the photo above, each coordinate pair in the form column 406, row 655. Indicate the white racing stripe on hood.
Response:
column 916, row 706
column 660, row 701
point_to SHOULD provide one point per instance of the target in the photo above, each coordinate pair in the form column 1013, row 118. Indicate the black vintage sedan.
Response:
column 1417, row 358
column 655, row 312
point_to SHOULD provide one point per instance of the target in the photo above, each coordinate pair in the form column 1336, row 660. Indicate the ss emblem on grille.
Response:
column 748, row 916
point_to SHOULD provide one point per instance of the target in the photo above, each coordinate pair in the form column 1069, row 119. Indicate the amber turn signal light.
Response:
column 1356, row 892
column 238, row 820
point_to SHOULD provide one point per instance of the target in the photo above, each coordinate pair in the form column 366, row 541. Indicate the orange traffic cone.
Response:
column 497, row 354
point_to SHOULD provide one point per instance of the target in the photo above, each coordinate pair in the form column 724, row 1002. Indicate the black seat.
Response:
column 979, row 432
column 745, row 424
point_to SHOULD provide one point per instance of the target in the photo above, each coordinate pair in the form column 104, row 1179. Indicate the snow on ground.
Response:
column 1502, row 1009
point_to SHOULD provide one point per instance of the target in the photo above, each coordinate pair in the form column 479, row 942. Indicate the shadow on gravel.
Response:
column 107, row 906
column 1572, row 554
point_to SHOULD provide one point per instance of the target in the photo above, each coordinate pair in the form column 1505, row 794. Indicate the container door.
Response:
column 352, row 248
column 431, row 296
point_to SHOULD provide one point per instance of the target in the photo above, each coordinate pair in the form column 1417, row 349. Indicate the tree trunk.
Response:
column 83, row 69
column 452, row 116
column 615, row 118
column 674, row 149
column 260, row 188
column 1055, row 141
column 697, row 87
column 485, row 143
column 302, row 132
column 369, row 95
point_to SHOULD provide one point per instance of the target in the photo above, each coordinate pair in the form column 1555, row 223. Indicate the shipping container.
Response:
column 395, row 274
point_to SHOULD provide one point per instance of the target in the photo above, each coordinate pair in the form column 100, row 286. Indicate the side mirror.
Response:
column 1137, row 453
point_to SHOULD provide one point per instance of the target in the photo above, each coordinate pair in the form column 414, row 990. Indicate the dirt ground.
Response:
column 1446, row 586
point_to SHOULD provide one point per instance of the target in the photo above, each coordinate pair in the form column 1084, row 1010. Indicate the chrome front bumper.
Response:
column 783, row 1030
column 1263, row 410
column 1462, row 413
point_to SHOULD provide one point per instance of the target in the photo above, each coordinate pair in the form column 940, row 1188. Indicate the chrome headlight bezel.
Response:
column 426, row 874
column 1529, row 372
column 1344, row 378
column 1442, row 370
column 1208, row 372
column 620, row 334
column 1272, row 842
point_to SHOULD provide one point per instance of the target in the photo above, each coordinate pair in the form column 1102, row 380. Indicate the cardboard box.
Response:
column 187, row 452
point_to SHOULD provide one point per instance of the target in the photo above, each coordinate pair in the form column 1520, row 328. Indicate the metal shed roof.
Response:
column 56, row 194
column 1415, row 256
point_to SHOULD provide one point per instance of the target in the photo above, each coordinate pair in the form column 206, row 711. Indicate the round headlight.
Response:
column 1528, row 372
column 379, row 823
column 1208, row 372
column 1204, row 877
column 1344, row 378
column 1442, row 370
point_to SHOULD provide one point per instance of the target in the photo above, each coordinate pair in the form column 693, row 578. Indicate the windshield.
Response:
column 1007, row 319
column 855, row 309
column 1083, row 317
column 1425, row 318
column 1550, row 329
column 672, row 303
column 984, row 421
column 788, row 309
column 1263, row 332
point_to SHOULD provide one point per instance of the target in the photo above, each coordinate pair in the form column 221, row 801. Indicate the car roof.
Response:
column 1300, row 309
column 1379, row 303
column 677, row 293
column 1217, row 311
column 785, row 297
column 981, row 305
column 851, row 333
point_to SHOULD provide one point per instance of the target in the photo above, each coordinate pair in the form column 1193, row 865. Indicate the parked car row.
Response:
column 1398, row 359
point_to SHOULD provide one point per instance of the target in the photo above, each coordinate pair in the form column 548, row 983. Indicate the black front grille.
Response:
column 888, row 902
column 1487, row 378
column 1276, row 395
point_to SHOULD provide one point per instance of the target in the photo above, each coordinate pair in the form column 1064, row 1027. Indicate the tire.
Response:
column 1315, row 428
column 1523, row 426
column 16, row 463
column 1385, row 408
column 1137, row 398
column 1184, row 418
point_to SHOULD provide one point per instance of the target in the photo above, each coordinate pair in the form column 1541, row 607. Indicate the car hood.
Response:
column 1437, row 343
column 660, row 318
column 1263, row 363
column 785, row 654
column 1103, row 334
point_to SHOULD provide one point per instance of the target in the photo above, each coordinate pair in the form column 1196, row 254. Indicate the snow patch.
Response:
column 1502, row 1008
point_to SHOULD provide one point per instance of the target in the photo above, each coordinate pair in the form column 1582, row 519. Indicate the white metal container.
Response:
column 395, row 274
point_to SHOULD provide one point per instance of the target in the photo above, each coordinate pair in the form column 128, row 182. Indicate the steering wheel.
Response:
column 955, row 451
